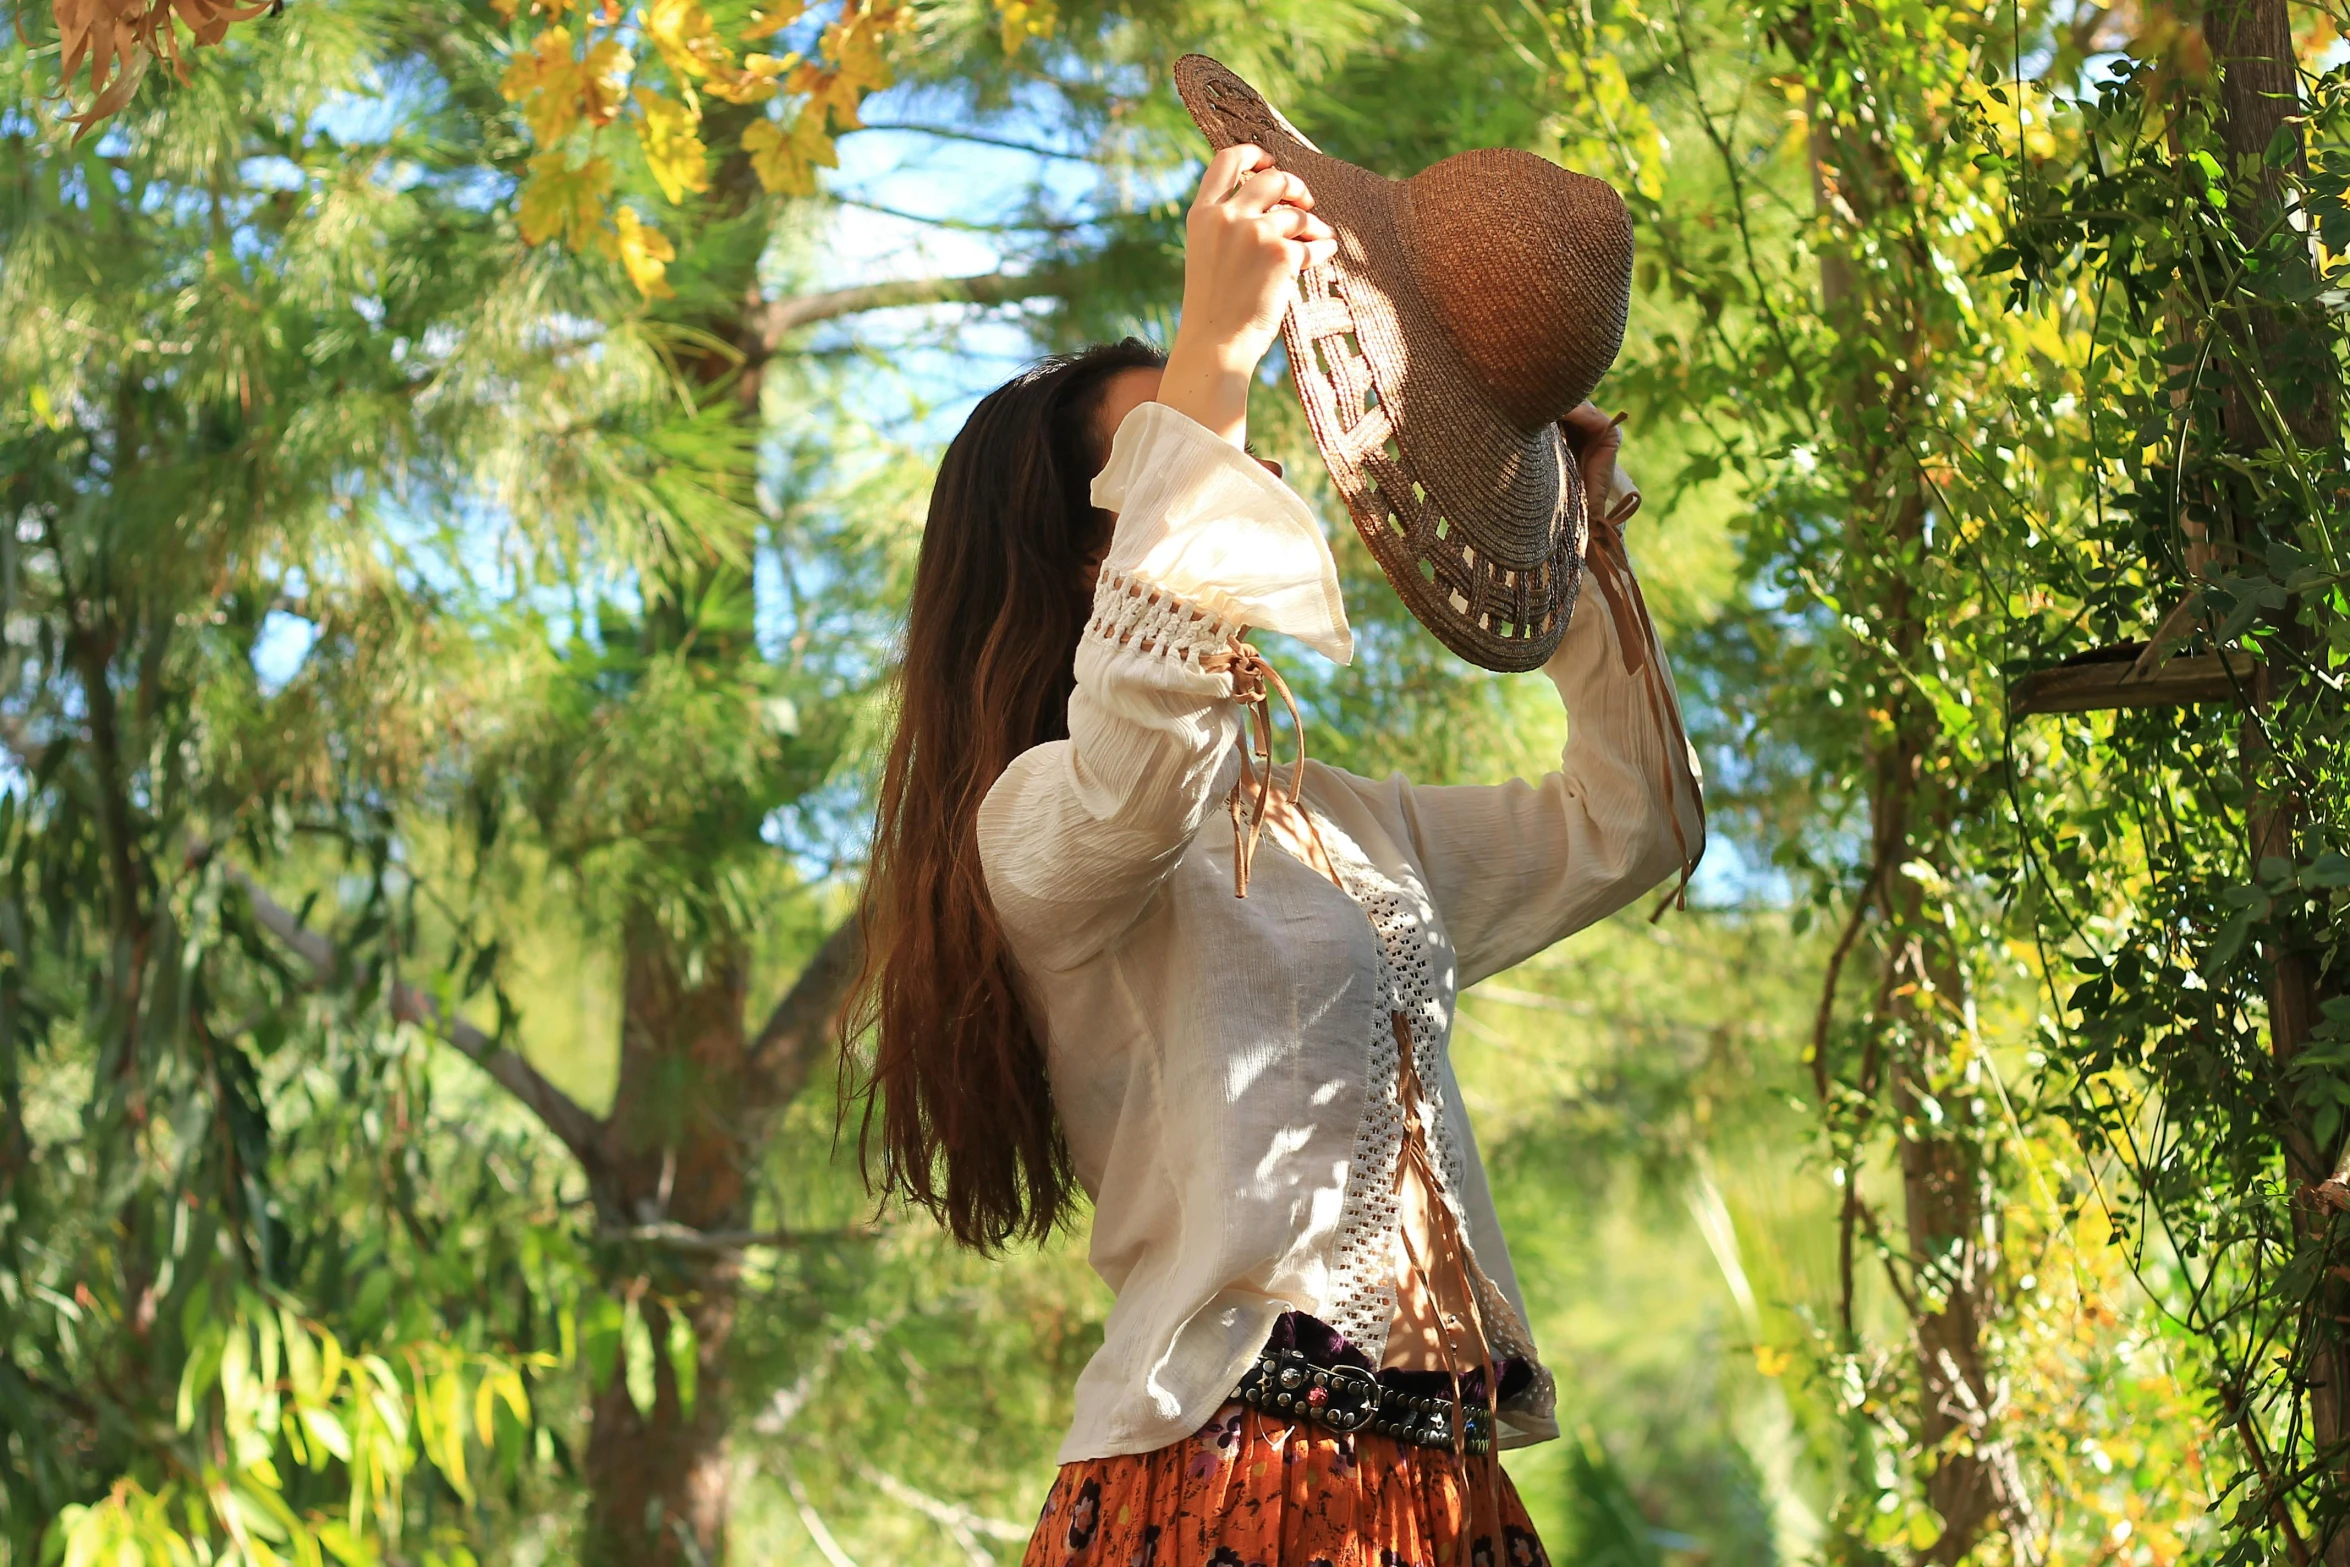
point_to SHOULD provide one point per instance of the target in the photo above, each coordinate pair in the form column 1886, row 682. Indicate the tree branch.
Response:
column 958, row 225
column 801, row 1023
column 814, row 1523
column 771, row 322
column 981, row 138
column 573, row 1126
column 952, row 1514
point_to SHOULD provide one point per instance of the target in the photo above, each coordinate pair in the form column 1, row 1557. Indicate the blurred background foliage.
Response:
column 443, row 662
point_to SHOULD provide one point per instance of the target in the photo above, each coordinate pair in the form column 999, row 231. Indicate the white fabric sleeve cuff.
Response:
column 1203, row 520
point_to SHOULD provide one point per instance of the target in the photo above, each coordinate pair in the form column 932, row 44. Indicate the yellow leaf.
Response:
column 786, row 162
column 545, row 80
column 829, row 90
column 511, row 1390
column 645, row 253
column 563, row 203
column 774, row 19
column 756, row 82
column 447, row 1398
column 771, row 160
column 557, row 89
column 673, row 147
column 811, row 143
column 1026, row 19
column 607, row 69
column 855, row 50
column 680, row 29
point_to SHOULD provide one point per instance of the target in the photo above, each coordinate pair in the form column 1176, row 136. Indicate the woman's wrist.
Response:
column 1209, row 386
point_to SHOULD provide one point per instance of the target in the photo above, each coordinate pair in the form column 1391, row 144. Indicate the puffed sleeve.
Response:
column 1077, row 834
column 1514, row 868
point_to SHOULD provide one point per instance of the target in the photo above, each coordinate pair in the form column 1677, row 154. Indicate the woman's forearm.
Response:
column 1208, row 384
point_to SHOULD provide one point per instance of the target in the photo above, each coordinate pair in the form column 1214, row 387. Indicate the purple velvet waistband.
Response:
column 1324, row 1345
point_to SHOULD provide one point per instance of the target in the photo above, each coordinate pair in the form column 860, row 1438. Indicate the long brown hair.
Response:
column 958, row 1095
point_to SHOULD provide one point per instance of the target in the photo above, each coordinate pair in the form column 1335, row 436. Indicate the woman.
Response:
column 1313, row 1295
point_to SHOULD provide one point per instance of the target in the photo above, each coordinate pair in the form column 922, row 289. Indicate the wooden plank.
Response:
column 2101, row 681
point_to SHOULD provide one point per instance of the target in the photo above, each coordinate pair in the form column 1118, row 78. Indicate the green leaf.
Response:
column 346, row 1546
column 199, row 1374
column 62, row 1532
column 637, row 1344
column 326, row 1429
column 599, row 1339
column 684, row 1358
column 2226, row 945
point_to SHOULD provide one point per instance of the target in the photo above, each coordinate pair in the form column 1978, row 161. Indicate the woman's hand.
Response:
column 1251, row 231
column 1595, row 438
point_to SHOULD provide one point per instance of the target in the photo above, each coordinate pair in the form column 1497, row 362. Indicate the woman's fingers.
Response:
column 1295, row 223
column 1595, row 438
column 1227, row 169
column 1269, row 188
column 1310, row 241
column 1318, row 240
column 1589, row 421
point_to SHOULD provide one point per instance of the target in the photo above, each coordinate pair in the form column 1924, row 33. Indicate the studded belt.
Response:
column 1288, row 1385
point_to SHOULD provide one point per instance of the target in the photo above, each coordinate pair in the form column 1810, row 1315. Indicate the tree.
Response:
column 607, row 454
column 2012, row 368
column 212, row 1172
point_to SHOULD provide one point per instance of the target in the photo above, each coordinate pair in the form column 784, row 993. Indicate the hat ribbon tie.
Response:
column 1611, row 568
column 1254, row 683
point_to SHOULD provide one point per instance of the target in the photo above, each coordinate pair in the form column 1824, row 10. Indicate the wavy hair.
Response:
column 958, row 1115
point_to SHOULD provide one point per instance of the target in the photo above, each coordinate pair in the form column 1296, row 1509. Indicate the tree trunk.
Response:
column 675, row 1151
column 660, row 1483
column 1950, row 1211
column 2259, row 93
column 1919, row 1000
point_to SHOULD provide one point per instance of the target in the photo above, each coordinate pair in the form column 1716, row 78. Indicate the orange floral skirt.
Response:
column 1248, row 1490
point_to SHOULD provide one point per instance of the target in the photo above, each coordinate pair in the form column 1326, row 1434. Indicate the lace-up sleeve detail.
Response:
column 1151, row 621
column 1078, row 833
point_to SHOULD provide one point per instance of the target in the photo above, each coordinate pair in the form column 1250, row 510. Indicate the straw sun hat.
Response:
column 1468, row 310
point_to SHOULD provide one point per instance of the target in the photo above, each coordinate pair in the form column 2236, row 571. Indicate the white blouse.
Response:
column 1225, row 1068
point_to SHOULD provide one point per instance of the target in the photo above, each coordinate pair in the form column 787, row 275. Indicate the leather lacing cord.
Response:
column 1454, row 1255
column 1254, row 682
column 1611, row 567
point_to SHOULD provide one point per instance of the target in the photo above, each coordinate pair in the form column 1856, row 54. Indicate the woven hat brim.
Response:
column 1478, row 525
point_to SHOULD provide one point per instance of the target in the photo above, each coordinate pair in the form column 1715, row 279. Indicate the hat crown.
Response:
column 1528, row 266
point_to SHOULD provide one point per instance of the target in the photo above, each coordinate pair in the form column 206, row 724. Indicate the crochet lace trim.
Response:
column 1146, row 618
column 1361, row 1298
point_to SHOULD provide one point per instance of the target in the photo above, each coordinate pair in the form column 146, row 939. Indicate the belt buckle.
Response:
column 1352, row 1397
